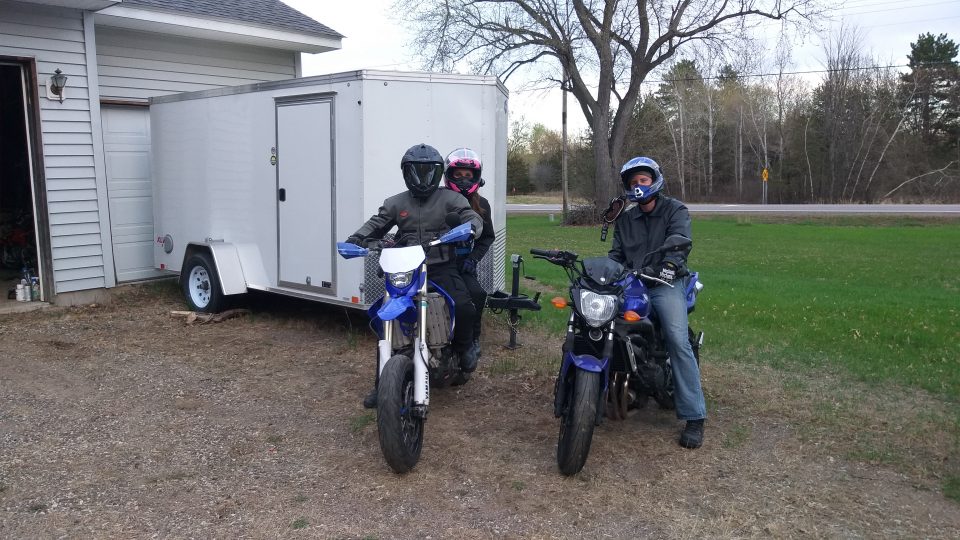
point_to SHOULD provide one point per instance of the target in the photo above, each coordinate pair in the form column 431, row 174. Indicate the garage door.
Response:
column 126, row 141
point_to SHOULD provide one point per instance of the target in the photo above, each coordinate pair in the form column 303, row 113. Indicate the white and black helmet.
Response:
column 641, row 194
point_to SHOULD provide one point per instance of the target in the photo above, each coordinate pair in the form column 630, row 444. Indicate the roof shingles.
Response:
column 269, row 13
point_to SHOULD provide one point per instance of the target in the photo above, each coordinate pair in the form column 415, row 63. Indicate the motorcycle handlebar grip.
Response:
column 544, row 252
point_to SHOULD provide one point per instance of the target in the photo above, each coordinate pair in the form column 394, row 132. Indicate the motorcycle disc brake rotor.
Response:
column 618, row 397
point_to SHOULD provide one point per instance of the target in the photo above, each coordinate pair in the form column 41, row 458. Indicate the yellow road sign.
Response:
column 765, row 174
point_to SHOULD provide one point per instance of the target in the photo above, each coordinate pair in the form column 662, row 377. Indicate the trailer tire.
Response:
column 200, row 284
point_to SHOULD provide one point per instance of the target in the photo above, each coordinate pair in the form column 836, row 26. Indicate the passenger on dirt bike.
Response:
column 639, row 231
column 420, row 214
column 462, row 175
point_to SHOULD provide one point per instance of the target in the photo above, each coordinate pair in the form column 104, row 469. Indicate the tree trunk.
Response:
column 682, row 159
column 710, row 129
column 740, row 156
column 806, row 151
column 608, row 178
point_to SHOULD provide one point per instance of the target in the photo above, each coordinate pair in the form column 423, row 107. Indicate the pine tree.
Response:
column 933, row 89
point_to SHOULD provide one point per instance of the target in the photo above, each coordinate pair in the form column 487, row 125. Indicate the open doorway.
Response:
column 18, row 231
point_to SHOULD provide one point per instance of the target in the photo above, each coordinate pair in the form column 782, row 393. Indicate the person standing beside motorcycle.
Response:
column 639, row 232
column 420, row 214
column 463, row 175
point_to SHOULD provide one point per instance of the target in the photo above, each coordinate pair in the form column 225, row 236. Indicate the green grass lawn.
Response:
column 878, row 298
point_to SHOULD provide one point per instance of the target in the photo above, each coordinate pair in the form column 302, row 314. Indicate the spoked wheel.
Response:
column 576, row 426
column 399, row 428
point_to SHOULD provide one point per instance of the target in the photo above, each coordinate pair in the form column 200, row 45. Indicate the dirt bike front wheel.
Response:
column 400, row 430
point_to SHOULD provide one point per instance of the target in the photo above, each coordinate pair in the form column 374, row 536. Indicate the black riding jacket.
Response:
column 638, row 233
column 420, row 220
column 483, row 242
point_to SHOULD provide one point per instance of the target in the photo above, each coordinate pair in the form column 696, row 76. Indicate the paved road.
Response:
column 902, row 209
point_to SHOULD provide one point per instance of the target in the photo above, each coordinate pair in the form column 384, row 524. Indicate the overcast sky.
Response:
column 376, row 40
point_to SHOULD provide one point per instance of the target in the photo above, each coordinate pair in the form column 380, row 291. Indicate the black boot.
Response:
column 370, row 402
column 469, row 359
column 692, row 436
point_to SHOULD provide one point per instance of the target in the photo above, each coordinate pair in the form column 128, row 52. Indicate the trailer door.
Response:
column 305, row 192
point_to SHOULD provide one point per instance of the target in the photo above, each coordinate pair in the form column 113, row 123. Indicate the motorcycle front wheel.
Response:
column 576, row 426
column 399, row 429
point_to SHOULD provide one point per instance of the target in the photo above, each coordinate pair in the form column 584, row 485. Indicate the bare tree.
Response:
column 606, row 47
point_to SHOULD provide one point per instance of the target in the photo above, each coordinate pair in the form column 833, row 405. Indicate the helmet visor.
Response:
column 463, row 185
column 422, row 176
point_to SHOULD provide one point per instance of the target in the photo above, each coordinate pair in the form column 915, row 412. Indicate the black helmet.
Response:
column 422, row 167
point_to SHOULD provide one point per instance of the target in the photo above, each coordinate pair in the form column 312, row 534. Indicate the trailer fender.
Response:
column 228, row 267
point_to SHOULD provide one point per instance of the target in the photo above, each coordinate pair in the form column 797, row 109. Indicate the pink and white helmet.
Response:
column 463, row 158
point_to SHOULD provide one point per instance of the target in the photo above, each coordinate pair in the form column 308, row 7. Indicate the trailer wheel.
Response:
column 200, row 286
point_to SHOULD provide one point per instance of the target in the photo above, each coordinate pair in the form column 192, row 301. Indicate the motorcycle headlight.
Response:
column 401, row 279
column 597, row 309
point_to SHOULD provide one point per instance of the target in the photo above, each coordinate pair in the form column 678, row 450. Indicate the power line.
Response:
column 901, row 23
column 900, row 8
column 834, row 70
column 897, row 23
column 754, row 75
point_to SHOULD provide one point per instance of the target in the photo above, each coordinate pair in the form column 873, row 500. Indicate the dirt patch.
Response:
column 120, row 421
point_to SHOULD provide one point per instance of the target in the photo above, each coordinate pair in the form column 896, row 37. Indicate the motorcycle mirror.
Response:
column 613, row 211
column 675, row 242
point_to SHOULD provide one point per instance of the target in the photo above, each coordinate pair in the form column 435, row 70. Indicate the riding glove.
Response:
column 668, row 272
column 468, row 266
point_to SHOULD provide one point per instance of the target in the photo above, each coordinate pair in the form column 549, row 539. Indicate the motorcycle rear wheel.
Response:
column 576, row 426
column 399, row 429
column 665, row 395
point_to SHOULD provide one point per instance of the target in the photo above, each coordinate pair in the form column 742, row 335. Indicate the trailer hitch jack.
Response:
column 513, row 302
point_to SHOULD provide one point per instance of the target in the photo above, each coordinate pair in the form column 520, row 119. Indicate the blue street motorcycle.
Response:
column 414, row 321
column 614, row 355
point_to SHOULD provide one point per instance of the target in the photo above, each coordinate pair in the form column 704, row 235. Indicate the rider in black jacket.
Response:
column 641, row 230
column 420, row 213
column 463, row 176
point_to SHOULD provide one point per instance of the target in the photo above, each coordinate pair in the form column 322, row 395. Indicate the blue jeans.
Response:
column 670, row 306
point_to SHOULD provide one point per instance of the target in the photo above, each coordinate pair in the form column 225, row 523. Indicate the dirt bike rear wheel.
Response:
column 399, row 429
column 576, row 426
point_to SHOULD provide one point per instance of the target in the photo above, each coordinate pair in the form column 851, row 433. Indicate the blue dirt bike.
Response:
column 614, row 355
column 414, row 321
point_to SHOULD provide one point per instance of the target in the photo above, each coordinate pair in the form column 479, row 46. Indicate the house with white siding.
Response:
column 75, row 190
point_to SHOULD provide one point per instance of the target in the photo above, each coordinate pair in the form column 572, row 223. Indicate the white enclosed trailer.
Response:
column 254, row 185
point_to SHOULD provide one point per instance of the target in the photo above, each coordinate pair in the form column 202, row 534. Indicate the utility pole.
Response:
column 563, row 161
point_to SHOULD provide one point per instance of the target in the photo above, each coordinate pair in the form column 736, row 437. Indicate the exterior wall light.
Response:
column 57, row 83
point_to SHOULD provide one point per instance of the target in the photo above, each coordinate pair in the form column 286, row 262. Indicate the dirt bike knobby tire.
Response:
column 400, row 432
